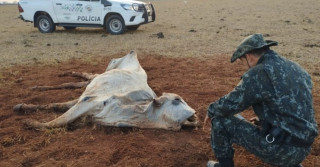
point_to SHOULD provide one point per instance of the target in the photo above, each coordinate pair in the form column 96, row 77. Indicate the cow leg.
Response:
column 60, row 107
column 72, row 114
column 70, row 85
column 83, row 75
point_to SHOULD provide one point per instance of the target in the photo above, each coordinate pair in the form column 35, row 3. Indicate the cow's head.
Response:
column 140, row 109
column 175, row 112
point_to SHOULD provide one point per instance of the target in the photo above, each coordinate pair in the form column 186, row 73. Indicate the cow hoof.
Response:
column 28, row 123
column 31, row 124
column 34, row 88
column 40, row 88
column 17, row 108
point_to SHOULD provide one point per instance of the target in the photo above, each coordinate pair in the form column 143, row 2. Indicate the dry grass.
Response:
column 218, row 26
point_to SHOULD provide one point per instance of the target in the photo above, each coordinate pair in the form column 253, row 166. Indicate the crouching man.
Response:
column 280, row 92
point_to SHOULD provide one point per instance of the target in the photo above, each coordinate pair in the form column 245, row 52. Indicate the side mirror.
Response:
column 106, row 3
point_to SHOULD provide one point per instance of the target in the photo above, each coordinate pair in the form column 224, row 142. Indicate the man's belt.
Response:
column 277, row 135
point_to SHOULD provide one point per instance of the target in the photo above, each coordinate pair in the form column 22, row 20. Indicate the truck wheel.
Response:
column 115, row 25
column 45, row 24
column 133, row 27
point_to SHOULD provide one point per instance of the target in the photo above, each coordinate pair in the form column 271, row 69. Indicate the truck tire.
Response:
column 133, row 27
column 115, row 25
column 45, row 24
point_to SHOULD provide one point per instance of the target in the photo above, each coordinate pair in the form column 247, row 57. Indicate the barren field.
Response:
column 192, row 60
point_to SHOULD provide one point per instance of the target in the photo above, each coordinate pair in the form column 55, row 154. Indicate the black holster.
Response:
column 275, row 134
column 265, row 128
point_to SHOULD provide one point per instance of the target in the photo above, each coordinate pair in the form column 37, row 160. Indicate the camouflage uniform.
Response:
column 280, row 92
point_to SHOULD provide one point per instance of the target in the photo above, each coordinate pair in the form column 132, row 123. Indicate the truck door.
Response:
column 78, row 11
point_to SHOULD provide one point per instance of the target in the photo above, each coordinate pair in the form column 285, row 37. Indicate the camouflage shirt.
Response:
column 279, row 91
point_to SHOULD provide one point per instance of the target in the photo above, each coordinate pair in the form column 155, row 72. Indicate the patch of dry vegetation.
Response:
column 190, row 28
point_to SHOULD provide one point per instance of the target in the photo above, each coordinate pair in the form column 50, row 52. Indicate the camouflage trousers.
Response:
column 228, row 130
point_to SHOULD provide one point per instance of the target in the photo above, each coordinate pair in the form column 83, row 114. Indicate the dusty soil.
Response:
column 198, row 81
column 191, row 60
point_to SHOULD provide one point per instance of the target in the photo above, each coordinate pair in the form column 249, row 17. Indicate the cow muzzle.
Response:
column 192, row 121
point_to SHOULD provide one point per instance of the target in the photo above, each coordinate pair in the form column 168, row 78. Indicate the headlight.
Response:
column 126, row 6
column 134, row 7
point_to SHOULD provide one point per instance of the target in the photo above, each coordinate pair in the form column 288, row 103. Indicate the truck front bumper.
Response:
column 149, row 14
column 146, row 14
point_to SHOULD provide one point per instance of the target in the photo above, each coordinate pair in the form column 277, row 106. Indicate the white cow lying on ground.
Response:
column 121, row 97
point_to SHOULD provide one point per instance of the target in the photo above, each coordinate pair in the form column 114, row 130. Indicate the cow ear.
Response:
column 159, row 101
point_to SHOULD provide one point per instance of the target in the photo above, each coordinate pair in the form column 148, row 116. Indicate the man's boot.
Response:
column 299, row 165
column 223, row 162
column 213, row 164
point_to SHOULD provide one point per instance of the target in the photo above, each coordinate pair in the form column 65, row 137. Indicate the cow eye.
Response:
column 176, row 101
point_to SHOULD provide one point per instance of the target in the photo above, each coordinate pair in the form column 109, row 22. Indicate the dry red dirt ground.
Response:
column 198, row 81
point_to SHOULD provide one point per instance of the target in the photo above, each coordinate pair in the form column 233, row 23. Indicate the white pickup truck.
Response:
column 115, row 15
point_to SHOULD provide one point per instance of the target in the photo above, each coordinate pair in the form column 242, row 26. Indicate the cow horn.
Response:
column 159, row 100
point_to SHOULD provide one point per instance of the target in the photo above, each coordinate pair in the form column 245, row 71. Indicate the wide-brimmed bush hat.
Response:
column 250, row 43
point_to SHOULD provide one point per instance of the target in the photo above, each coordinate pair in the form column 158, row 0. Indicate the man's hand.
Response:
column 255, row 121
